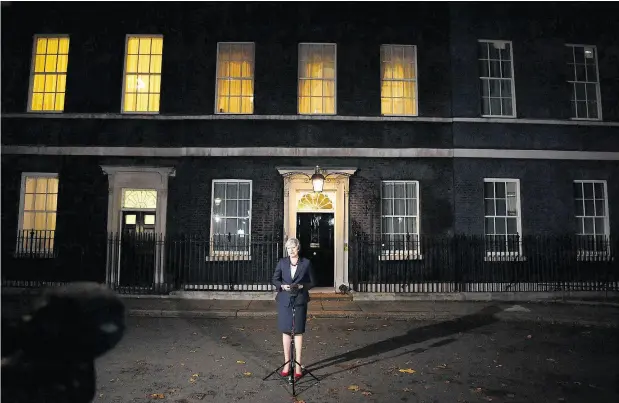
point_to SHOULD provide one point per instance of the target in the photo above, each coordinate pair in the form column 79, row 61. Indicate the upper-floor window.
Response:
column 37, row 216
column 48, row 73
column 235, row 78
column 400, row 218
column 317, row 74
column 142, row 77
column 591, row 207
column 583, row 81
column 398, row 79
column 496, row 73
column 502, row 216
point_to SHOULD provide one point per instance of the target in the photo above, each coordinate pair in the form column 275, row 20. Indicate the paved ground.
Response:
column 186, row 360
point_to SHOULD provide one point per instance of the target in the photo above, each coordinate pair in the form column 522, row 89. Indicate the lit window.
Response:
column 591, row 207
column 400, row 218
column 583, row 82
column 142, row 83
column 502, row 216
column 235, row 78
column 398, row 80
column 497, row 78
column 231, row 216
column 317, row 72
column 49, row 74
column 39, row 195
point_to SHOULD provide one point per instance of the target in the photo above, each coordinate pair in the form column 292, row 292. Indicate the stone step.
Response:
column 330, row 296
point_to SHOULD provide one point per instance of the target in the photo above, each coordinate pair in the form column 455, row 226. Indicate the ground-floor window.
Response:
column 37, row 218
column 231, row 216
column 502, row 216
column 591, row 208
column 400, row 217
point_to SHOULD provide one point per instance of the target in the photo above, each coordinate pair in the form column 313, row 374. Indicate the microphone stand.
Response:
column 294, row 290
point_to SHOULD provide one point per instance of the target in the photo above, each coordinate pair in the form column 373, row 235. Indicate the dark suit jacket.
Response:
column 304, row 275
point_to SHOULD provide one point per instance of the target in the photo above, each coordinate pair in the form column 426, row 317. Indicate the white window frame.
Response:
column 32, row 65
column 393, row 254
column 513, row 78
column 573, row 78
column 20, row 221
column 334, row 78
column 414, row 80
column 122, row 90
column 491, row 255
column 253, row 78
column 586, row 253
column 232, row 255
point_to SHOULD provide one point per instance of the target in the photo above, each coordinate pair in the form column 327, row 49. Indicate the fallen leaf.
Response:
column 406, row 390
column 350, row 329
column 224, row 337
column 192, row 351
column 240, row 362
column 354, row 388
column 407, row 371
column 193, row 378
column 366, row 393
column 247, row 373
column 157, row 396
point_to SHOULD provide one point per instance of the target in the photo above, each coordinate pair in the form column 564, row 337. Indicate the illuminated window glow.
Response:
column 398, row 80
column 235, row 78
column 142, row 84
column 49, row 74
column 317, row 73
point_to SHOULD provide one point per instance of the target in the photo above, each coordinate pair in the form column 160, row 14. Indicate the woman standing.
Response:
column 296, row 271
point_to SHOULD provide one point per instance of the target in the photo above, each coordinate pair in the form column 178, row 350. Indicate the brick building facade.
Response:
column 506, row 144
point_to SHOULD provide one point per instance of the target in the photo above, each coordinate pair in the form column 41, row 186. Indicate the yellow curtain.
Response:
column 317, row 79
column 50, row 74
column 235, row 78
column 39, row 213
column 143, row 74
column 398, row 81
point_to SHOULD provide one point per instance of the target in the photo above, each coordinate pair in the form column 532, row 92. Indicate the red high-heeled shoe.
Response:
column 297, row 376
column 285, row 373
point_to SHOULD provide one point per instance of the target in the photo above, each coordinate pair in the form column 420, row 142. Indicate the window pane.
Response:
column 500, row 225
column 388, row 190
column 500, row 190
column 512, row 226
column 501, row 208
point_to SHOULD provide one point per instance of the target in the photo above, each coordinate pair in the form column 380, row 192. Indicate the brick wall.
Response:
column 547, row 201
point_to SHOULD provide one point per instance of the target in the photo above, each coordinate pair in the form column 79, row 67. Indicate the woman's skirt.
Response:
column 285, row 318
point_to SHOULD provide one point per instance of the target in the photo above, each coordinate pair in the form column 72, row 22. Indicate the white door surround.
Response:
column 297, row 183
column 137, row 177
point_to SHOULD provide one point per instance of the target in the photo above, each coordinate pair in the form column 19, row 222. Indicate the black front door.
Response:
column 315, row 232
column 137, row 251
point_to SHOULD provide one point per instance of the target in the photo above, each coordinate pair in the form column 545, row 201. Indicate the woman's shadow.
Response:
column 414, row 336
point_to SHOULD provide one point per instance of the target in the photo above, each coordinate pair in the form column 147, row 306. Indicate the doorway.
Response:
column 138, row 244
column 315, row 232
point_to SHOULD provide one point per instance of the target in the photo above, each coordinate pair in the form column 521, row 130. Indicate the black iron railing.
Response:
column 477, row 263
column 152, row 263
